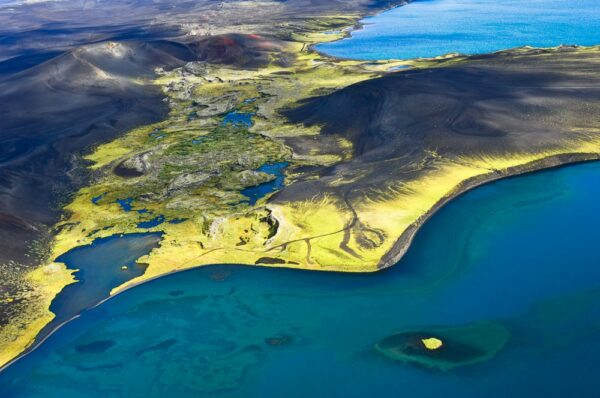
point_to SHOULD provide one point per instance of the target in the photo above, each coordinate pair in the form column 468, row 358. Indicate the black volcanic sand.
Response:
column 488, row 105
column 64, row 106
column 54, row 112
column 62, row 92
column 58, row 109
column 59, row 102
column 33, row 32
column 244, row 51
column 407, row 123
column 14, row 58
column 461, row 345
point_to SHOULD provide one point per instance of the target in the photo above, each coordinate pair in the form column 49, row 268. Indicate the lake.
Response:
column 520, row 252
column 261, row 190
column 430, row 28
column 100, row 267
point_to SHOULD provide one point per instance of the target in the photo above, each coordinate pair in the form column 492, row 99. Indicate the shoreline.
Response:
column 40, row 338
column 402, row 244
column 347, row 33
column 390, row 259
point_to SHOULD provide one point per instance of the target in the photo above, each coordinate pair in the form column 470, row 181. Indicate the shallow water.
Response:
column 435, row 27
column 522, row 252
column 126, row 204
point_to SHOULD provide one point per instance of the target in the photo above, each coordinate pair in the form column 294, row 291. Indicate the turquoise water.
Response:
column 435, row 27
column 521, row 251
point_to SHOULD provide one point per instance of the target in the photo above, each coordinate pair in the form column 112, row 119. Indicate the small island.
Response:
column 446, row 348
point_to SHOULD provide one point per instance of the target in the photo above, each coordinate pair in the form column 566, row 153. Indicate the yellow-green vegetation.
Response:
column 218, row 226
column 432, row 343
column 191, row 169
column 197, row 166
column 44, row 284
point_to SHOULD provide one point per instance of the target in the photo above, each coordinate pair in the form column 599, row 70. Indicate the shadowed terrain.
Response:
column 495, row 105
column 244, row 51
column 55, row 61
column 102, row 90
column 77, row 74
column 34, row 31
column 60, row 108
column 483, row 114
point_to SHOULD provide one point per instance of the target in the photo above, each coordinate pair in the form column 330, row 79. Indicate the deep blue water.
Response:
column 238, row 119
column 154, row 222
column 261, row 190
column 97, row 199
column 428, row 28
column 126, row 204
column 521, row 251
column 100, row 264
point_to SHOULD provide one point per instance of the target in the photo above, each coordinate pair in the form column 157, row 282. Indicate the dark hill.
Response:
column 241, row 50
column 404, row 124
column 57, row 109
column 488, row 105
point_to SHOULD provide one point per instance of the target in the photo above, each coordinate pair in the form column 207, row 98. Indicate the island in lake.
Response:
column 232, row 140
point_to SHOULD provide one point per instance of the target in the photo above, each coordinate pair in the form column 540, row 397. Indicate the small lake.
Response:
column 101, row 266
column 238, row 119
column 521, row 252
column 261, row 190
column 428, row 28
